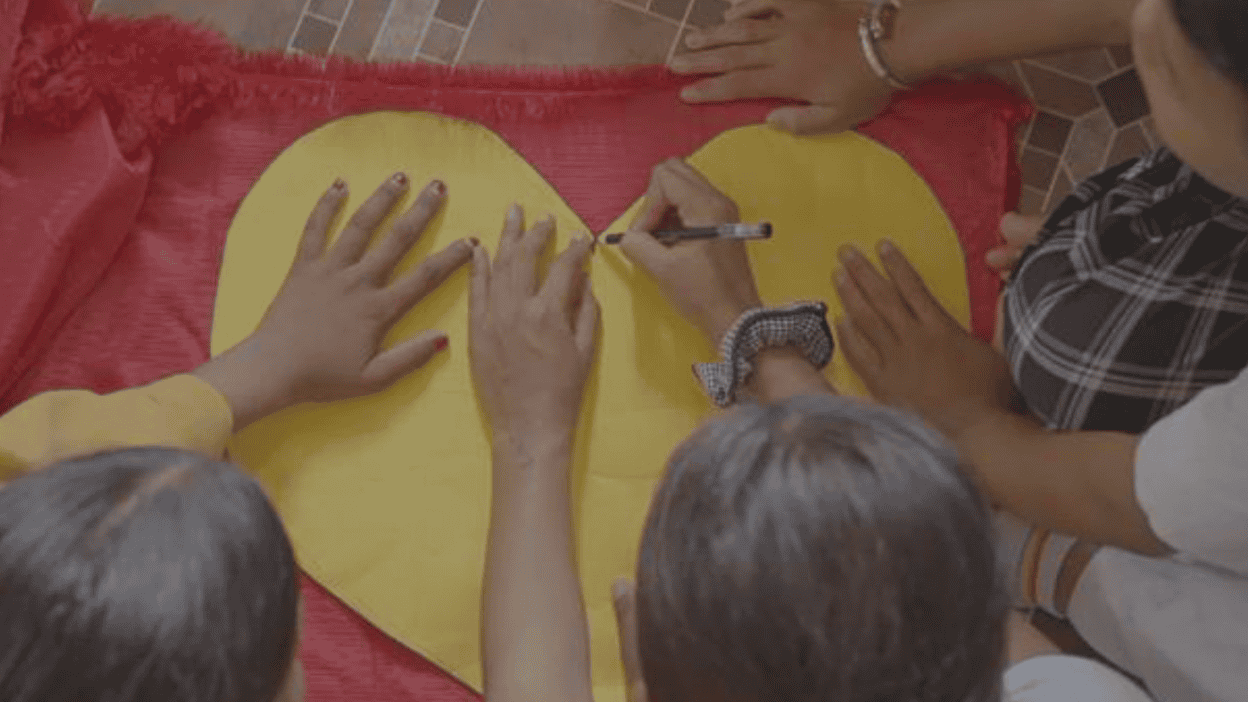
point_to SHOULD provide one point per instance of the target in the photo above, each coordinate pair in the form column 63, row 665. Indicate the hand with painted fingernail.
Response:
column 321, row 338
column 909, row 351
column 531, row 341
column 805, row 50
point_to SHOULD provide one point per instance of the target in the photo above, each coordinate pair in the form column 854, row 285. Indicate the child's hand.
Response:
column 320, row 339
column 797, row 49
column 709, row 281
column 531, row 342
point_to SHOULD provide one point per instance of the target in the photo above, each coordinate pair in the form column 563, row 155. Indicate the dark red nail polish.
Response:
column 339, row 184
column 474, row 241
column 400, row 178
column 439, row 187
column 440, row 344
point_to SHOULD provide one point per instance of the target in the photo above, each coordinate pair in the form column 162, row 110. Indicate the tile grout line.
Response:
column 684, row 22
column 345, row 14
column 644, row 11
column 385, row 22
column 290, row 43
column 1113, row 140
column 1061, row 170
column 463, row 40
column 323, row 18
column 1114, row 72
column 424, row 30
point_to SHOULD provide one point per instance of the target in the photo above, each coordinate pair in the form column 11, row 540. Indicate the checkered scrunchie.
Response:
column 802, row 325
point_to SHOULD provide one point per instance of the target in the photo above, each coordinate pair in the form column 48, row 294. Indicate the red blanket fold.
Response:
column 126, row 146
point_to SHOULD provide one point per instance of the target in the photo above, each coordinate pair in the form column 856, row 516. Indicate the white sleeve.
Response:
column 1191, row 476
column 1062, row 678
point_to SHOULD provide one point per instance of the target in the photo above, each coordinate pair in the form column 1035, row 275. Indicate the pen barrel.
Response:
column 722, row 231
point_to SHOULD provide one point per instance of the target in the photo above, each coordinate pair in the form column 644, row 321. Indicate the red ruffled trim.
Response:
column 159, row 76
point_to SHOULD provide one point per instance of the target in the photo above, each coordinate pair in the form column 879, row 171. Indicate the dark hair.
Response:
column 1219, row 28
column 144, row 574
column 819, row 549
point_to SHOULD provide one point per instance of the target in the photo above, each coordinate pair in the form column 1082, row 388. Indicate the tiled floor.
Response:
column 1093, row 114
column 1093, row 111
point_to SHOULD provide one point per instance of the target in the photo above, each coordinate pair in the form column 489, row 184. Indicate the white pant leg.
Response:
column 1062, row 678
column 1181, row 627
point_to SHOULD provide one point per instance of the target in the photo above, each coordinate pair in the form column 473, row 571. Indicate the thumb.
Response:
column 624, row 596
column 643, row 250
column 808, row 120
column 396, row 362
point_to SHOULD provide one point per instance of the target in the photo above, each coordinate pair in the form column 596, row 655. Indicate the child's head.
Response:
column 818, row 549
column 145, row 574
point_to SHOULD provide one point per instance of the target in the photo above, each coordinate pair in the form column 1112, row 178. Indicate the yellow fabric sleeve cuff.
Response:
column 181, row 411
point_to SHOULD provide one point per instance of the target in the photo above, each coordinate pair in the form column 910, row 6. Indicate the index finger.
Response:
column 674, row 184
column 655, row 206
column 564, row 273
column 739, row 84
column 913, row 291
column 879, row 292
column 749, row 8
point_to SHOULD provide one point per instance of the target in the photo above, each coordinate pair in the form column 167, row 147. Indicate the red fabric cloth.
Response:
column 126, row 146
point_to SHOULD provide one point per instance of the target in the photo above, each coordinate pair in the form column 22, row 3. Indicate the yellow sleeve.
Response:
column 181, row 411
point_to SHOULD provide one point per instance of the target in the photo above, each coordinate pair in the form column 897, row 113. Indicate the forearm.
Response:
column 937, row 36
column 534, row 632
column 240, row 376
column 780, row 373
column 1080, row 483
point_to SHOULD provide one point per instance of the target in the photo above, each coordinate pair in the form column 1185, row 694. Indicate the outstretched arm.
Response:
column 319, row 340
column 809, row 50
column 532, row 345
column 912, row 354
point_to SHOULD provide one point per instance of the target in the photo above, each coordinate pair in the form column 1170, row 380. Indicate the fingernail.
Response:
column 687, row 93
column 513, row 212
column 619, row 588
column 886, row 247
column 693, row 40
column 440, row 343
column 399, row 178
column 847, row 254
column 339, row 184
column 438, row 187
column 474, row 242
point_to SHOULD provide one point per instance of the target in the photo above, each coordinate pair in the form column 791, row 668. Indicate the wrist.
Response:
column 908, row 54
column 240, row 377
column 533, row 445
column 722, row 319
column 784, row 371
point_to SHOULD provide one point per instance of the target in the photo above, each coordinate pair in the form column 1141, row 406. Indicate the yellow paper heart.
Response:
column 386, row 497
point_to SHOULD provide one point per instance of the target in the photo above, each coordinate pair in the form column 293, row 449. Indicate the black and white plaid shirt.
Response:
column 1134, row 298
